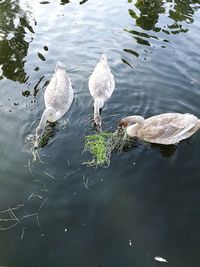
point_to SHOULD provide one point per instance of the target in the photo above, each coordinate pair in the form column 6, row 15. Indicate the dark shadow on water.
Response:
column 165, row 150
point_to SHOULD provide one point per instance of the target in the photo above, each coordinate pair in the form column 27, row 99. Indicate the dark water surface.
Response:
column 147, row 203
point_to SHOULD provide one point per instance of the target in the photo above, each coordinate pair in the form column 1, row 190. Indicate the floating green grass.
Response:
column 101, row 146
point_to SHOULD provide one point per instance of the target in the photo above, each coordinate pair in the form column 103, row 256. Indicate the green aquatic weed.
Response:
column 97, row 146
column 101, row 146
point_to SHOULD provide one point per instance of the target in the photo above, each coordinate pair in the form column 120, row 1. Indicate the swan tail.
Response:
column 59, row 65
column 103, row 57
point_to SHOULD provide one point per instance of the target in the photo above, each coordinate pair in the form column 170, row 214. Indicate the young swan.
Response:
column 58, row 98
column 166, row 129
column 101, row 87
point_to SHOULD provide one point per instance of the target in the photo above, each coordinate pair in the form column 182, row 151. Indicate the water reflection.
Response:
column 63, row 2
column 83, row 2
column 179, row 12
column 13, row 46
column 44, row 2
column 148, row 16
column 150, row 12
column 138, row 182
column 182, row 11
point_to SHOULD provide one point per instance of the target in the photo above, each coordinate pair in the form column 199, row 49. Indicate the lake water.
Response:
column 58, row 212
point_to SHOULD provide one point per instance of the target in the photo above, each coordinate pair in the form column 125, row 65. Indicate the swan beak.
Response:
column 120, row 129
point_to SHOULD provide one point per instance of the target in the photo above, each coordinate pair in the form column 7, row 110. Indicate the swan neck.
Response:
column 47, row 112
column 41, row 127
column 135, row 123
column 139, row 120
column 98, row 104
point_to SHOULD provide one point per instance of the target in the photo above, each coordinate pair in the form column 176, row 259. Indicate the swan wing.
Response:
column 59, row 93
column 182, row 131
column 164, row 133
column 175, row 119
column 101, row 82
column 169, row 128
column 157, row 132
column 58, row 90
column 101, row 88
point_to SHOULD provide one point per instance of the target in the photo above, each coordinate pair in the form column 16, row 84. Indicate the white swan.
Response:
column 58, row 98
column 166, row 129
column 101, row 87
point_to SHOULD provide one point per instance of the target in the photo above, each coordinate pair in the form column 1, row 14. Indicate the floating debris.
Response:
column 157, row 258
column 22, row 235
column 85, row 182
column 49, row 175
column 37, row 215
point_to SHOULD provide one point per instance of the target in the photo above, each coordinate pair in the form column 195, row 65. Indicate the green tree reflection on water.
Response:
column 147, row 16
column 150, row 11
column 13, row 47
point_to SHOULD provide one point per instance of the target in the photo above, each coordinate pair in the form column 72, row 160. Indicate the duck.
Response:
column 58, row 98
column 101, row 87
column 165, row 129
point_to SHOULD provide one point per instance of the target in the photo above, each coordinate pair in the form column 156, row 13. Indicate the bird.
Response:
column 165, row 129
column 58, row 98
column 101, row 87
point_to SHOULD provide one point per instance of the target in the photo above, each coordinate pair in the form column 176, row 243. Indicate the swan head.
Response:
column 59, row 65
column 98, row 122
column 130, row 124
column 124, row 123
column 38, row 134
